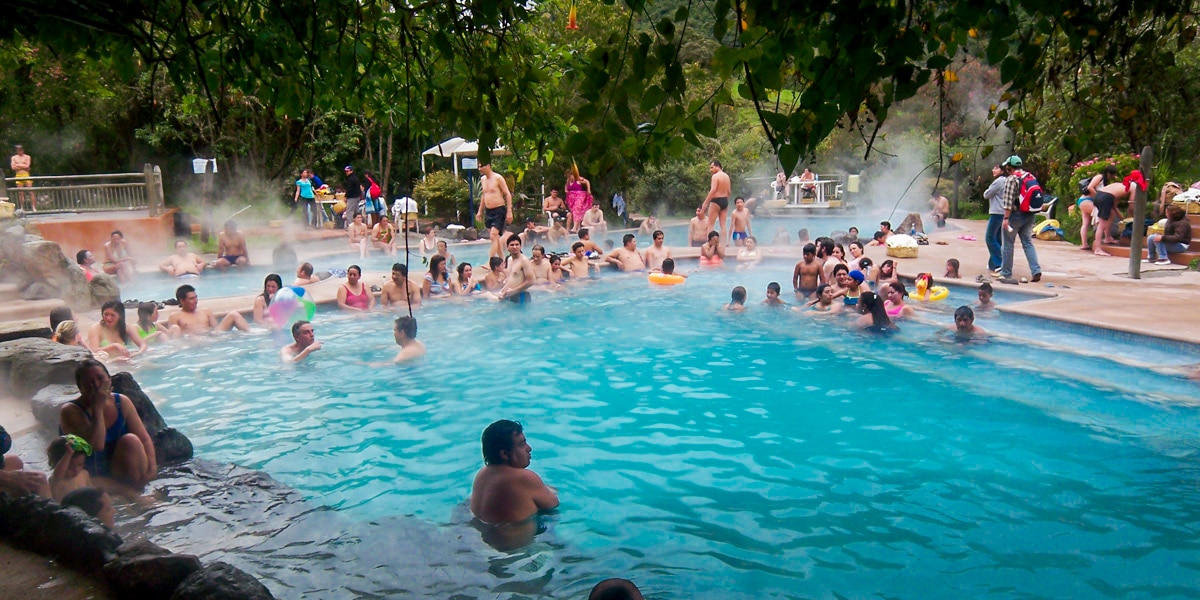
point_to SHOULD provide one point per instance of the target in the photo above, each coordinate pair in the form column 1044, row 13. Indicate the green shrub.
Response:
column 444, row 194
column 1068, row 188
column 676, row 188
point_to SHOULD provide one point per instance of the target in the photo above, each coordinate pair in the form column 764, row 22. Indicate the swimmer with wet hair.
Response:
column 405, row 333
column 305, row 343
column 615, row 589
column 772, row 299
column 874, row 314
column 824, row 301
column 985, row 297
column 737, row 300
column 964, row 324
column 304, row 275
column 505, row 490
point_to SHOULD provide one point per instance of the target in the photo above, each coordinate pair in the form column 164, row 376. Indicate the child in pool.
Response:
column 772, row 298
column 66, row 456
column 737, row 300
column 985, row 297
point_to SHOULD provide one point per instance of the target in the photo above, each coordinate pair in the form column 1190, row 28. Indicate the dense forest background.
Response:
column 641, row 96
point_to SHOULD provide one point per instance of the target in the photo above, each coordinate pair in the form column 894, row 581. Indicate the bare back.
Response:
column 720, row 185
column 504, row 494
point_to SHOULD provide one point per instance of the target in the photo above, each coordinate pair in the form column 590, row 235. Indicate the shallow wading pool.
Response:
column 700, row 453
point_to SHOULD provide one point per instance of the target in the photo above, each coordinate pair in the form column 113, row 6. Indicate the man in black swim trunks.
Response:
column 716, row 203
column 496, row 202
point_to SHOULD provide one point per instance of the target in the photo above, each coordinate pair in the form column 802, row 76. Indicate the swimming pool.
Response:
column 701, row 453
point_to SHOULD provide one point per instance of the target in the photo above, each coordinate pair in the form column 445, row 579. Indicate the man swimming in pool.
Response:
column 305, row 343
column 193, row 319
column 405, row 333
column 231, row 247
column 183, row 263
column 505, row 490
column 964, row 324
column 520, row 274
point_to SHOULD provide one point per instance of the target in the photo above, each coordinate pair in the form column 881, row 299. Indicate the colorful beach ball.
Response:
column 291, row 304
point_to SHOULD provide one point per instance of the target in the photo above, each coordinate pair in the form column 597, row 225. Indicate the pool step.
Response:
column 1180, row 258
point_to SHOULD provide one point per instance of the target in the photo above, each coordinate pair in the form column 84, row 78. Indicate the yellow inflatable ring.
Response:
column 936, row 293
column 664, row 279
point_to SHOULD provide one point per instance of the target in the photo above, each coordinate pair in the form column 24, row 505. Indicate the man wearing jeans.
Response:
column 994, row 195
column 1016, row 223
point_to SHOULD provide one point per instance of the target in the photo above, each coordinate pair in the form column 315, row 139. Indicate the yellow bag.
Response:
column 1160, row 227
column 1048, row 230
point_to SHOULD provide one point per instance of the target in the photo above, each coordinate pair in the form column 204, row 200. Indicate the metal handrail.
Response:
column 69, row 193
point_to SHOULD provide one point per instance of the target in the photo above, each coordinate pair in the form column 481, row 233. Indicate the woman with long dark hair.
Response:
column 874, row 314
column 437, row 280
column 122, row 449
column 112, row 334
column 272, row 284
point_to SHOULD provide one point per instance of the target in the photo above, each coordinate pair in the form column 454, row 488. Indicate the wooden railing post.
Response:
column 1139, row 215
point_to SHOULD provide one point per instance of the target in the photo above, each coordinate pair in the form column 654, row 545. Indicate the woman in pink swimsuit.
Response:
column 354, row 294
column 895, row 293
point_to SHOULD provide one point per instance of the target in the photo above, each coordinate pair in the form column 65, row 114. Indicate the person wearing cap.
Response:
column 354, row 193
column 1016, row 223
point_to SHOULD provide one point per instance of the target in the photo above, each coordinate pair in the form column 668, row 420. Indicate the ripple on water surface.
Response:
column 702, row 454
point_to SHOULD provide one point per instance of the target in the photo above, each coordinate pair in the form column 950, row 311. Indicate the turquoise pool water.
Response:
column 706, row 454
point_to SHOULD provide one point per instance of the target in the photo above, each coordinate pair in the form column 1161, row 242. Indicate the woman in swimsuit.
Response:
column 429, row 243
column 437, row 280
column 465, row 285
column 886, row 273
column 112, row 333
column 354, row 295
column 895, row 293
column 148, row 328
column 874, row 315
column 1087, row 203
column 110, row 423
column 262, row 302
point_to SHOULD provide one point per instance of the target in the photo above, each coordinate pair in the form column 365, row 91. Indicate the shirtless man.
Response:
column 939, row 209
column 405, row 333
column 395, row 291
column 306, row 343
column 540, row 266
column 593, row 219
column 231, row 247
column 116, row 257
column 505, row 490
column 183, row 263
column 589, row 246
column 383, row 235
column 554, row 207
column 1105, row 200
column 825, row 248
column 192, row 319
column 698, row 229
column 557, row 233
column 304, row 274
column 716, row 203
column 532, row 232
column 739, row 222
column 627, row 257
column 357, row 231
column 495, row 204
column 520, row 274
column 648, row 226
column 807, row 274
column 20, row 164
column 964, row 324
column 492, row 277
column 578, row 264
column 656, row 254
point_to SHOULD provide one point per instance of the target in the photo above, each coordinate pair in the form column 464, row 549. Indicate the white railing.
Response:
column 88, row 193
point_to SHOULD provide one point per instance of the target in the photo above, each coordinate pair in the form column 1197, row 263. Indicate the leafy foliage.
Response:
column 444, row 194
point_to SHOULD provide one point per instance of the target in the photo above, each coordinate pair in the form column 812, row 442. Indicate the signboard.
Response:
column 470, row 163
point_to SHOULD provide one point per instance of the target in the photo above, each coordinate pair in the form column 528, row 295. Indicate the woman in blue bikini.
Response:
column 109, row 422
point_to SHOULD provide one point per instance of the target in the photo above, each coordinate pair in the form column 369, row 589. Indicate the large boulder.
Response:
column 103, row 288
column 45, row 263
column 221, row 581
column 170, row 446
column 43, row 526
column 149, row 577
column 12, row 242
column 30, row 364
column 48, row 402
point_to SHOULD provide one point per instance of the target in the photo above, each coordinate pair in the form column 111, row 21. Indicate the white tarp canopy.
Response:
column 457, row 148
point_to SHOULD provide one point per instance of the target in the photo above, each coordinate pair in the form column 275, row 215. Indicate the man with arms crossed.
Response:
column 656, row 254
column 182, row 263
column 716, row 203
column 394, row 291
column 520, row 274
column 306, row 343
column 495, row 204
column 20, row 163
column 505, row 490
column 191, row 319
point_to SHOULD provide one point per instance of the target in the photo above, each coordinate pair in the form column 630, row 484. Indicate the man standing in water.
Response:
column 505, row 490
column 520, row 274
column 405, row 333
column 698, row 229
column 495, row 204
column 401, row 292
column 716, row 203
column 807, row 274
column 656, row 254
